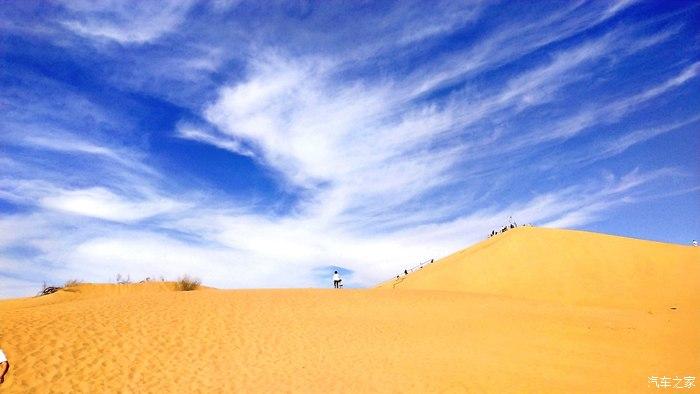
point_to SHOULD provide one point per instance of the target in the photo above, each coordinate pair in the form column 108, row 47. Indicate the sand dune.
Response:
column 427, row 335
column 570, row 267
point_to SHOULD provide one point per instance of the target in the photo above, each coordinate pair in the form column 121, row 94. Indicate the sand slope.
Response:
column 571, row 267
column 150, row 338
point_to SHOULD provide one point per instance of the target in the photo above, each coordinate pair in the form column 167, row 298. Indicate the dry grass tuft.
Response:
column 72, row 283
column 187, row 283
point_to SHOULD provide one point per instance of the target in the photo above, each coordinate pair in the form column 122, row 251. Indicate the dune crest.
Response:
column 568, row 267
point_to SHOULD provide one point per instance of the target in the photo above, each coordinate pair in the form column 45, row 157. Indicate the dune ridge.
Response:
column 567, row 266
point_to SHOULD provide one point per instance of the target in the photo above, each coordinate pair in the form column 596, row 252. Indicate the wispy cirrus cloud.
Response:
column 611, row 112
column 103, row 204
column 125, row 22
column 315, row 129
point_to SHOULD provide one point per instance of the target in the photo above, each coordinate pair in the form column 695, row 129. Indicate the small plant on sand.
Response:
column 187, row 283
column 46, row 290
column 72, row 283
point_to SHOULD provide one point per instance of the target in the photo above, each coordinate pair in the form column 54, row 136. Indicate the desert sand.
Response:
column 531, row 310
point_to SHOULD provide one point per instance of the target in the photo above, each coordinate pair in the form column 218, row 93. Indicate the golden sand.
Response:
column 570, row 267
column 439, row 330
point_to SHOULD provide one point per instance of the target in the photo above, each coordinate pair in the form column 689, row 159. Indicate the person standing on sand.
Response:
column 5, row 365
column 695, row 243
column 336, row 280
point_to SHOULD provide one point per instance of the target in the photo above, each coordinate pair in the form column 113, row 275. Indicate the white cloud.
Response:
column 69, row 143
column 615, row 146
column 601, row 113
column 191, row 132
column 337, row 136
column 101, row 203
column 511, row 42
column 683, row 77
column 126, row 22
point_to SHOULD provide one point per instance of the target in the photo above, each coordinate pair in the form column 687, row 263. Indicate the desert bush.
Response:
column 72, row 283
column 46, row 290
column 187, row 283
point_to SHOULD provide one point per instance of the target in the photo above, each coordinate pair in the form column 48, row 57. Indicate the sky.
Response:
column 266, row 144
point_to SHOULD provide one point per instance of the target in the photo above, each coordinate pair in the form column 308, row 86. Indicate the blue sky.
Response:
column 264, row 144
